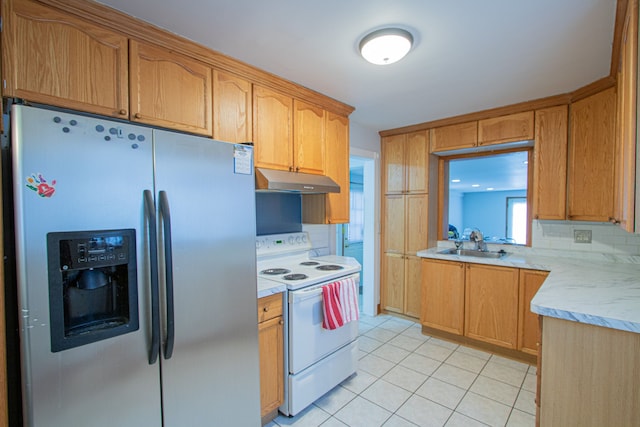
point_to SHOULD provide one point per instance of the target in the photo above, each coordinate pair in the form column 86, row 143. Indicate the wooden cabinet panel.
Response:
column 394, row 223
column 530, row 282
column 550, row 163
column 491, row 304
column 337, row 168
column 510, row 128
column 308, row 138
column 454, row 137
column 625, row 177
column 393, row 164
column 589, row 375
column 393, row 275
column 412, row 286
column 59, row 59
column 443, row 295
column 416, row 217
column 417, row 162
column 591, row 158
column 232, row 116
column 169, row 90
column 271, row 348
column 272, row 129
column 269, row 307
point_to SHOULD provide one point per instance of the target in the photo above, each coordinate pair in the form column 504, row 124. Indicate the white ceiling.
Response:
column 469, row 55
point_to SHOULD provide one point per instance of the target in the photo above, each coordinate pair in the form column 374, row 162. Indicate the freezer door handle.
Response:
column 150, row 211
column 165, row 216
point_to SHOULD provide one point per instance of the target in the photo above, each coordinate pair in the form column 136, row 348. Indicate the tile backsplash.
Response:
column 605, row 238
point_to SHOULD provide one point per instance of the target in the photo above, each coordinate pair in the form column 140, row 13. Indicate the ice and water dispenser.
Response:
column 93, row 292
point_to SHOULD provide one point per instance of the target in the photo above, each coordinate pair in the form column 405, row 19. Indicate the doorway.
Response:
column 358, row 238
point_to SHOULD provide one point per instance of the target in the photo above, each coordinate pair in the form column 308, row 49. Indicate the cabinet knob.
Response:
column 137, row 115
column 612, row 220
column 281, row 321
column 266, row 308
column 536, row 216
column 122, row 112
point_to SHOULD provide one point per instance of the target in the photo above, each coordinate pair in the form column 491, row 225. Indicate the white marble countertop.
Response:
column 598, row 289
column 269, row 287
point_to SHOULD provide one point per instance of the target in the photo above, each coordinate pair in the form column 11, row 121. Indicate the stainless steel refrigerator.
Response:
column 136, row 281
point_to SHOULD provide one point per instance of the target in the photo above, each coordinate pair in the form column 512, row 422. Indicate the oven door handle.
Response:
column 305, row 294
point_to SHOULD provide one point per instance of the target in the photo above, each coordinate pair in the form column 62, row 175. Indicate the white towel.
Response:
column 349, row 300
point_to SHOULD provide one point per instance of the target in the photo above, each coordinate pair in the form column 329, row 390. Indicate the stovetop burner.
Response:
column 309, row 263
column 275, row 271
column 295, row 276
column 329, row 267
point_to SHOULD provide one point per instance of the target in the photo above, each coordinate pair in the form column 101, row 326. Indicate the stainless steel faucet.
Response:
column 476, row 236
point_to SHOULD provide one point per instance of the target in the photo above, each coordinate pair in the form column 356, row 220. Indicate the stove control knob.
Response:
column 291, row 240
column 298, row 240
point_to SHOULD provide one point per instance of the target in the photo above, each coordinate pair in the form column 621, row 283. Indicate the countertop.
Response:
column 598, row 289
column 268, row 287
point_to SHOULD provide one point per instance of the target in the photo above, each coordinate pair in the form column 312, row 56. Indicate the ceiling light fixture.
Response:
column 386, row 46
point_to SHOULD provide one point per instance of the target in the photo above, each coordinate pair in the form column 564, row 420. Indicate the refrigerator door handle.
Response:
column 165, row 215
column 150, row 210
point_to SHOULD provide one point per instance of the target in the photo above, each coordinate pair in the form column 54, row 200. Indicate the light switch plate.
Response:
column 582, row 236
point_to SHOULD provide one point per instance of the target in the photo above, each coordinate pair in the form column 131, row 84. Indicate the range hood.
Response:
column 297, row 182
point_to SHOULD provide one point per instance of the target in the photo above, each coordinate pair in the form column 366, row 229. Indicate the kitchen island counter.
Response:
column 596, row 289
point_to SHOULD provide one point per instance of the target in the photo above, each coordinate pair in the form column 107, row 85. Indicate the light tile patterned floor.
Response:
column 408, row 379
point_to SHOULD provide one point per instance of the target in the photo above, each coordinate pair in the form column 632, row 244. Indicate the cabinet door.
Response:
column 337, row 168
column 58, row 59
column 394, row 218
column 169, row 90
column 272, row 129
column 393, row 282
column 232, row 116
column 417, row 162
column 510, row 128
column 415, row 222
column 308, row 138
column 412, row 286
column 491, row 304
column 624, row 207
column 591, row 157
column 454, row 137
column 393, row 181
column 550, row 163
column 271, row 348
column 443, row 295
column 530, row 282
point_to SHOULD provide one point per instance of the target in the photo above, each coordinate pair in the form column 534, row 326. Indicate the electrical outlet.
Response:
column 582, row 236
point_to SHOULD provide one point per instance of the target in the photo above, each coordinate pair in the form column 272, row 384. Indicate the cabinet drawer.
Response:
column 269, row 307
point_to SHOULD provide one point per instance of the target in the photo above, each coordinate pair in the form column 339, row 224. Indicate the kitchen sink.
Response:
column 474, row 252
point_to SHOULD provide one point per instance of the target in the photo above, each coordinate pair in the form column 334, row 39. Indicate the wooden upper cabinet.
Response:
column 308, row 138
column 591, row 158
column 417, row 162
column 58, row 59
column 337, row 168
column 393, row 164
column 550, row 163
column 232, row 117
column 454, row 137
column 510, row 128
column 405, row 160
column 272, row 129
column 625, row 167
column 169, row 90
column 530, row 281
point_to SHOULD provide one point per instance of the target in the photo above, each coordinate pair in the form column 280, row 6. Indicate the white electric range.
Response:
column 316, row 359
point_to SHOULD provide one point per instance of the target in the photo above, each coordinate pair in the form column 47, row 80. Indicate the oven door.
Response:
column 308, row 341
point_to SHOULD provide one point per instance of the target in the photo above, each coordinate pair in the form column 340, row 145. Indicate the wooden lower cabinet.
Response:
column 443, row 295
column 491, row 304
column 589, row 375
column 402, row 284
column 481, row 302
column 271, row 345
column 530, row 282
